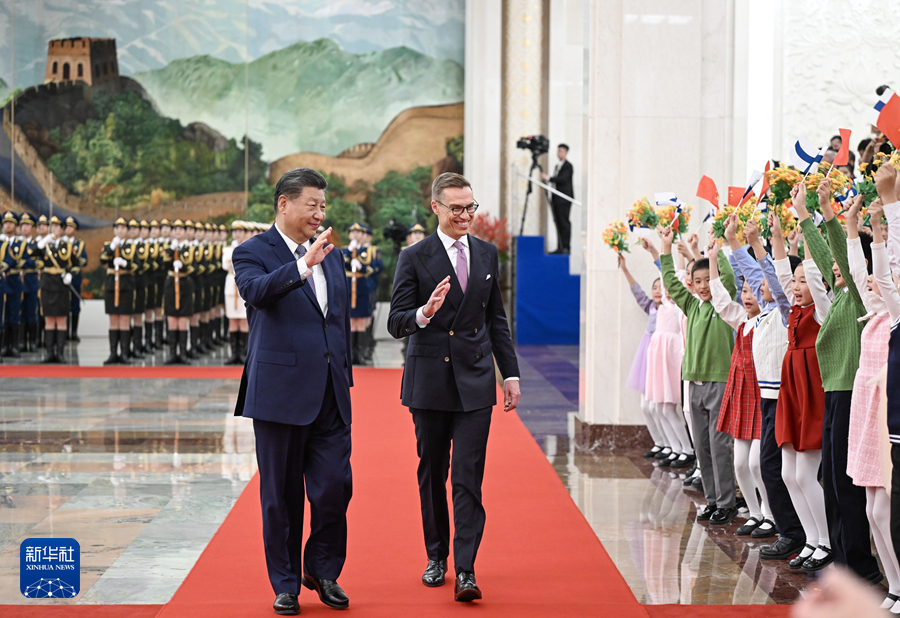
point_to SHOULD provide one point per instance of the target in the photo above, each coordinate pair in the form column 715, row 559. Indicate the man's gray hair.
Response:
column 447, row 180
column 292, row 183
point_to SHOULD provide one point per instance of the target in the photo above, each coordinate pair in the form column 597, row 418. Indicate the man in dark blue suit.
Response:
column 296, row 388
column 447, row 299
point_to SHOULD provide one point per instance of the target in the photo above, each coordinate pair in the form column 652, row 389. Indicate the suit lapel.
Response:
column 438, row 265
column 478, row 272
column 285, row 256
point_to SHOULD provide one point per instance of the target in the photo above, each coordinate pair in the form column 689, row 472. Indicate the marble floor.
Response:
column 142, row 474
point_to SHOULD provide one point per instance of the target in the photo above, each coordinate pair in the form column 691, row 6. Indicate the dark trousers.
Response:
column 467, row 432
column 845, row 503
column 786, row 521
column 560, row 208
column 13, row 300
column 30, row 307
column 318, row 453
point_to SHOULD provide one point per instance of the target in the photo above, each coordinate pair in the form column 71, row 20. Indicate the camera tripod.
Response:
column 534, row 164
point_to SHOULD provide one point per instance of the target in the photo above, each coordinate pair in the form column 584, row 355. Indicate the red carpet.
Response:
column 539, row 556
column 120, row 371
column 79, row 611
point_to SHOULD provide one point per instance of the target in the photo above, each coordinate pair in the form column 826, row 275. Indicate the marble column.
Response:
column 523, row 95
column 658, row 117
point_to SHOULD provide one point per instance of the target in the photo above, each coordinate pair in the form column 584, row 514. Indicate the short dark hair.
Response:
column 566, row 146
column 863, row 144
column 866, row 243
column 292, row 183
column 446, row 181
column 701, row 264
column 880, row 90
column 795, row 262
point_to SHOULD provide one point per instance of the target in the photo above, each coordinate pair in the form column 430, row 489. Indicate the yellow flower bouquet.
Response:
column 616, row 236
column 642, row 214
column 668, row 214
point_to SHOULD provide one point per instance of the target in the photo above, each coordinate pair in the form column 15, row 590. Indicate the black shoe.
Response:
column 684, row 461
column 688, row 482
column 668, row 461
column 329, row 592
column 697, row 483
column 796, row 563
column 434, row 573
column 817, row 564
column 749, row 527
column 723, row 516
column 652, row 452
column 706, row 513
column 466, row 590
column 286, row 604
column 762, row 531
column 740, row 503
column 782, row 549
column 663, row 454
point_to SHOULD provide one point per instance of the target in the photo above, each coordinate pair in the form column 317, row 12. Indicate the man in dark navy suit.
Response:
column 447, row 300
column 296, row 388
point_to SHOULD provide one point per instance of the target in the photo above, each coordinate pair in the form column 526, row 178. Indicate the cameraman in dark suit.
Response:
column 560, row 207
column 296, row 388
column 447, row 299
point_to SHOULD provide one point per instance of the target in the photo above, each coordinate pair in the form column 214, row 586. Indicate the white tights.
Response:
column 749, row 477
column 672, row 418
column 800, row 473
column 651, row 418
column 878, row 511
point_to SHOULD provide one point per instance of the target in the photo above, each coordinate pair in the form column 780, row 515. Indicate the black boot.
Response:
column 194, row 352
column 23, row 330
column 74, row 322
column 235, row 349
column 369, row 344
column 243, row 346
column 5, row 338
column 182, row 344
column 137, row 340
column 14, row 341
column 113, row 348
column 173, row 348
column 41, row 333
column 50, row 343
column 159, row 344
column 124, row 346
column 354, row 344
column 207, row 336
column 224, row 326
column 26, row 341
column 148, row 338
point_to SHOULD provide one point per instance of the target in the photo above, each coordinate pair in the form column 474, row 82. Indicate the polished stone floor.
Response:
column 143, row 472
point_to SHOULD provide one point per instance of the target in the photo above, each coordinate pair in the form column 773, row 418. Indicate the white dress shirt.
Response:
column 316, row 271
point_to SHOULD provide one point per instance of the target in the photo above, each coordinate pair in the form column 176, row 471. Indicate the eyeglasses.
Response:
column 458, row 210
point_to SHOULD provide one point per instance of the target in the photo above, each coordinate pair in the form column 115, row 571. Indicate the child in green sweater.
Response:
column 707, row 360
column 838, row 349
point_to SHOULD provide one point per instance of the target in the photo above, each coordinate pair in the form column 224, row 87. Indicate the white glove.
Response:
column 116, row 241
column 353, row 244
column 178, row 265
column 42, row 242
column 120, row 262
column 175, row 245
column 355, row 265
column 67, row 278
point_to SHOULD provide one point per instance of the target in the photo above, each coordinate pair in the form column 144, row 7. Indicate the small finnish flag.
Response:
column 666, row 199
column 755, row 177
column 805, row 157
column 818, row 219
column 851, row 192
column 879, row 105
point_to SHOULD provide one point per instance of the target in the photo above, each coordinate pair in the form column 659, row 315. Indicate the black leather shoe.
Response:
column 668, row 461
column 817, row 564
column 466, row 590
column 686, row 462
column 782, row 549
column 697, row 483
column 706, row 513
column 764, row 530
column 329, row 592
column 796, row 563
column 723, row 516
column 652, row 452
column 286, row 604
column 435, row 573
column 749, row 527
column 663, row 454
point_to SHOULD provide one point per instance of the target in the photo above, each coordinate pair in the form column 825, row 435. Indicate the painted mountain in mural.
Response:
column 308, row 97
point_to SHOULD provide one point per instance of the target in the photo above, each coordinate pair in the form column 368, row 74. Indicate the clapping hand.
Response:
column 436, row 300
column 318, row 250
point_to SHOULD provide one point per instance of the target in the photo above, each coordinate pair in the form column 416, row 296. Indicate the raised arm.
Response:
column 886, row 181
column 881, row 267
column 681, row 296
column 731, row 312
column 817, row 289
column 855, row 258
column 816, row 247
column 259, row 288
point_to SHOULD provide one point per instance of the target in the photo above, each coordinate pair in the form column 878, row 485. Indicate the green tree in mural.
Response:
column 456, row 147
column 128, row 151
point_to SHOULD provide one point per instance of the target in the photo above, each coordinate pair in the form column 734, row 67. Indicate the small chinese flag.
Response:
column 707, row 190
column 843, row 155
column 889, row 120
column 735, row 194
column 765, row 185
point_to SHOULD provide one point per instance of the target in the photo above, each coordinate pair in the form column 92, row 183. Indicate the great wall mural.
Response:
column 194, row 110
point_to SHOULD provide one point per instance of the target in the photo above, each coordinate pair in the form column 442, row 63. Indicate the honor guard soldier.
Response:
column 121, row 260
column 178, row 291
column 12, row 306
column 30, row 284
column 140, row 290
column 196, row 276
column 235, row 309
column 358, row 268
column 205, row 234
column 80, row 249
column 149, row 256
column 414, row 234
column 153, row 318
column 221, row 320
column 43, row 228
column 165, row 237
column 56, row 259
column 5, row 265
column 377, row 264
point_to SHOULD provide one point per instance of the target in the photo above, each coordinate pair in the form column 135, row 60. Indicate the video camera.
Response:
column 396, row 233
column 537, row 144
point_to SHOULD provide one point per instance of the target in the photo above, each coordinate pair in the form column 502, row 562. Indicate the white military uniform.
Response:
column 234, row 304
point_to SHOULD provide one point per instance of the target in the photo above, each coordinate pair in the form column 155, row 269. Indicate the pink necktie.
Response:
column 462, row 269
